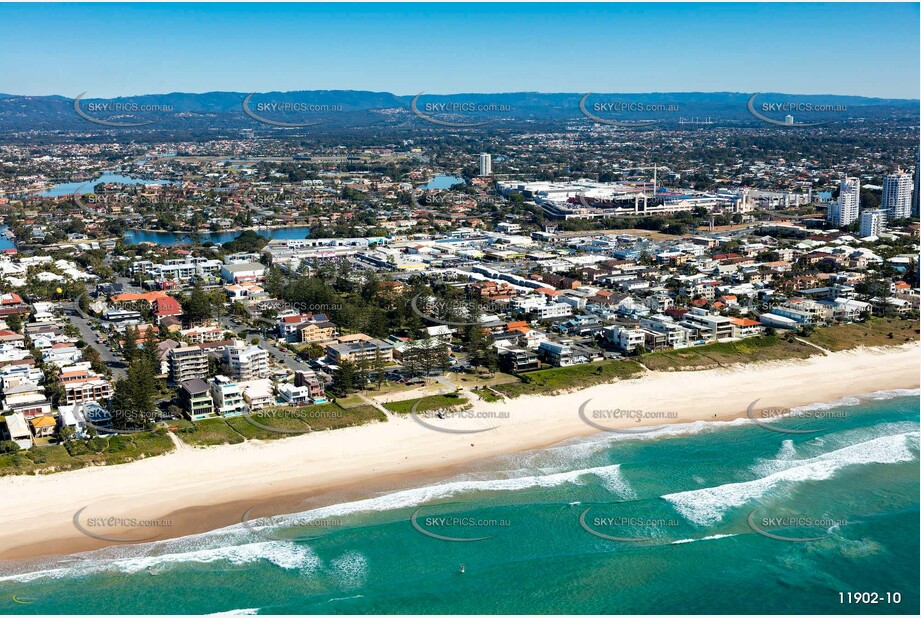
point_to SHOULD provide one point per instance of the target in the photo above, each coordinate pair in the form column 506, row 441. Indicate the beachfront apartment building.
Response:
column 247, row 362
column 743, row 328
column 626, row 337
column 26, row 399
column 307, row 378
column 707, row 326
column 362, row 350
column 257, row 394
column 294, row 395
column 659, row 325
column 561, row 354
column 187, row 362
column 228, row 399
column 195, row 399
column 804, row 311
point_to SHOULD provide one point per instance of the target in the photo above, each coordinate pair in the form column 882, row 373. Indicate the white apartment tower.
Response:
column 872, row 222
column 846, row 210
column 897, row 190
column 485, row 164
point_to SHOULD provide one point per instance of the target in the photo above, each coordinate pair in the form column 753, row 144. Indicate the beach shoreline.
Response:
column 193, row 490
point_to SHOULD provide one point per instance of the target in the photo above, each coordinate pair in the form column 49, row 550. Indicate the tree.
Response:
column 130, row 345
column 8, row 446
column 476, row 342
column 198, row 307
column 377, row 365
column 133, row 403
column 344, row 380
column 149, row 353
column 491, row 359
column 14, row 321
column 441, row 356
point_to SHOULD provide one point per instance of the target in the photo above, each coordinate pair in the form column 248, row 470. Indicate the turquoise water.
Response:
column 69, row 188
column 5, row 243
column 443, row 181
column 134, row 237
column 688, row 490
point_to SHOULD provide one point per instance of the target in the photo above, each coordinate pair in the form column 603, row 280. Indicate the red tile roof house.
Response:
column 12, row 303
column 163, row 307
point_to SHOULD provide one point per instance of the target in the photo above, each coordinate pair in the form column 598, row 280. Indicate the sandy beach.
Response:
column 196, row 489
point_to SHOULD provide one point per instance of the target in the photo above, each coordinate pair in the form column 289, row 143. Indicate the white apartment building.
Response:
column 485, row 164
column 247, row 362
column 709, row 326
column 846, row 210
column 897, row 192
column 872, row 222
column 183, row 270
column 553, row 310
column 228, row 400
column 626, row 337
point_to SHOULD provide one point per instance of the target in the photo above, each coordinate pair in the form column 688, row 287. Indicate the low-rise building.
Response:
column 364, row 350
column 195, row 399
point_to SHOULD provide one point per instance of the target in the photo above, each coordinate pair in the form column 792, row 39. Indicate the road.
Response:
column 81, row 321
column 282, row 356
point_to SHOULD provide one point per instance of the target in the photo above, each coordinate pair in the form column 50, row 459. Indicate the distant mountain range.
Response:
column 179, row 110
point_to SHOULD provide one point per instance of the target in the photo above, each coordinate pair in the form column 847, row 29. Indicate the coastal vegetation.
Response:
column 560, row 379
column 288, row 421
column 760, row 349
column 78, row 454
column 873, row 332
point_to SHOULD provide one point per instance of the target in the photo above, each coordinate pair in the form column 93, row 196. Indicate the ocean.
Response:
column 709, row 517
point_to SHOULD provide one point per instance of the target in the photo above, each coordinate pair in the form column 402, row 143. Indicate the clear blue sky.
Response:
column 116, row 49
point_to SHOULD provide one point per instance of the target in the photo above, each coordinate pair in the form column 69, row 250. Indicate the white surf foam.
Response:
column 712, row 537
column 708, row 505
column 286, row 555
column 408, row 498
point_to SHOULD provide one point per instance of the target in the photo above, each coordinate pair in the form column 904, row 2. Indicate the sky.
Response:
column 110, row 50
